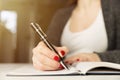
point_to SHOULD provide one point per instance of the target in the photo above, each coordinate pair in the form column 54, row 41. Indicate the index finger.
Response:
column 43, row 49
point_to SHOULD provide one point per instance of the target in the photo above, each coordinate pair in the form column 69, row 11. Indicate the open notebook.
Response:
column 82, row 68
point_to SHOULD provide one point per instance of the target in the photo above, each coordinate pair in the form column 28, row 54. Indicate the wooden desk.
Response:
column 4, row 68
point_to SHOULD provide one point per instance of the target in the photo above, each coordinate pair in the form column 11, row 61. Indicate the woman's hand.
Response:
column 45, row 59
column 83, row 57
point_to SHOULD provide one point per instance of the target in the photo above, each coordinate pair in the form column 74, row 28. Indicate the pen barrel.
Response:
column 51, row 47
column 43, row 37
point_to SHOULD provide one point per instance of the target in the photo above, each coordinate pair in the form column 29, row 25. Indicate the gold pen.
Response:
column 43, row 37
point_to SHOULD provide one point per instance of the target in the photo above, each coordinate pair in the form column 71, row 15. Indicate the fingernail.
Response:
column 77, row 60
column 66, row 62
column 61, row 67
column 56, row 58
column 70, row 63
column 62, row 53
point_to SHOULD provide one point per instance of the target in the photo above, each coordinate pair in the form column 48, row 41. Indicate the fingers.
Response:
column 40, row 66
column 82, row 57
column 73, row 59
column 45, row 59
column 62, row 50
column 43, row 49
column 77, row 58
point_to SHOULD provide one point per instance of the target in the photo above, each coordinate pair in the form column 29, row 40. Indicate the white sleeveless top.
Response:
column 89, row 40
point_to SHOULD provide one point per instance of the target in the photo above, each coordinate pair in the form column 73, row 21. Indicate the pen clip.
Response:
column 38, row 29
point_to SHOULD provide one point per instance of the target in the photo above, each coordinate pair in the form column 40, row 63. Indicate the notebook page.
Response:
column 84, row 67
column 29, row 70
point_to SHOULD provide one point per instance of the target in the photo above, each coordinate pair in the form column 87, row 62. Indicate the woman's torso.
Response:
column 93, row 38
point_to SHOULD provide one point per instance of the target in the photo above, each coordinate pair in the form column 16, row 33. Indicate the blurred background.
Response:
column 16, row 36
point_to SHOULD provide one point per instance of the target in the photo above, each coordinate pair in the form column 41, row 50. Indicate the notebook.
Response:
column 82, row 68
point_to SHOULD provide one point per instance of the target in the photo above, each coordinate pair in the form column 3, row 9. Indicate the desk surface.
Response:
column 4, row 68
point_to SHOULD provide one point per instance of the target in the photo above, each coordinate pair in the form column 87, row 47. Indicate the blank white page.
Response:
column 29, row 70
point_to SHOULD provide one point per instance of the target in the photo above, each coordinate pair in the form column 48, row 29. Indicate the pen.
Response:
column 43, row 37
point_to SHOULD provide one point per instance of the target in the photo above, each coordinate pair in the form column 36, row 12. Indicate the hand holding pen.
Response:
column 45, row 55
